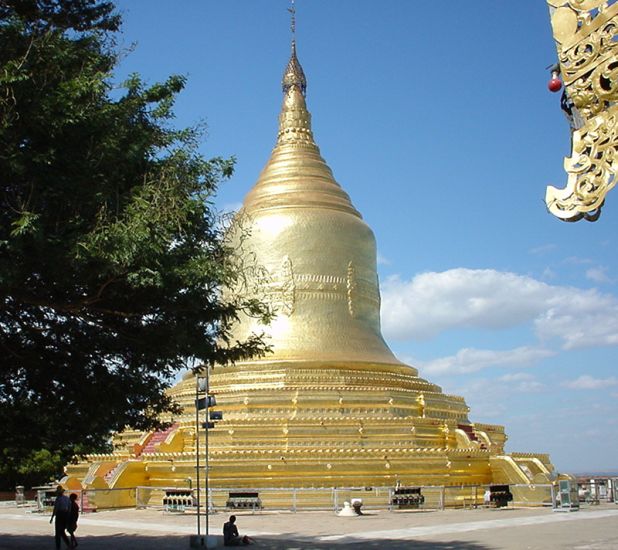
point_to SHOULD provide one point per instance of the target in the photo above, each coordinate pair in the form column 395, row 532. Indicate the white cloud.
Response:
column 598, row 275
column 432, row 303
column 580, row 319
column 586, row 382
column 473, row 360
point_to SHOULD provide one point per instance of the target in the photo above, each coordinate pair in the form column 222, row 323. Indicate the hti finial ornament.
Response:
column 292, row 10
column 294, row 75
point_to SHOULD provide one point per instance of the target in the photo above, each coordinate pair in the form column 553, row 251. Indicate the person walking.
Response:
column 62, row 507
column 73, row 516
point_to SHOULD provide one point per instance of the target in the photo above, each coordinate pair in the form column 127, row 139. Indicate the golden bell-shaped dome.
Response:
column 317, row 257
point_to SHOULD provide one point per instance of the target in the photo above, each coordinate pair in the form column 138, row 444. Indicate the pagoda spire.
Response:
column 294, row 76
column 295, row 119
column 296, row 175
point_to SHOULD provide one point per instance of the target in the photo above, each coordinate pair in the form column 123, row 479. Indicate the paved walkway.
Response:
column 510, row 529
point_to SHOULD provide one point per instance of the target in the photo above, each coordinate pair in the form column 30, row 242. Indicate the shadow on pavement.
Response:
column 284, row 542
column 103, row 542
column 176, row 542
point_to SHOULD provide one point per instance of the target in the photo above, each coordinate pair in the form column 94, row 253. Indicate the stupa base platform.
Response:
column 275, row 476
column 308, row 427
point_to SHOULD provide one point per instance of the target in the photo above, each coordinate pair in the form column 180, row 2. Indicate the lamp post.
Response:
column 206, row 402
column 201, row 386
column 206, row 472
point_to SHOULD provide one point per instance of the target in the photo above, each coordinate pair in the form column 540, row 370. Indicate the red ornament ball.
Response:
column 554, row 85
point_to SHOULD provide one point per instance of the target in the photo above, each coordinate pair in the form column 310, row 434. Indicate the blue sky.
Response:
column 439, row 125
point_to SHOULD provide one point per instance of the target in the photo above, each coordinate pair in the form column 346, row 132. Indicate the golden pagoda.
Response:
column 331, row 406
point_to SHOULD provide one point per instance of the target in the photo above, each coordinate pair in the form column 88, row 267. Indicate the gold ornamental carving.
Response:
column 586, row 35
column 287, row 288
column 284, row 287
column 351, row 288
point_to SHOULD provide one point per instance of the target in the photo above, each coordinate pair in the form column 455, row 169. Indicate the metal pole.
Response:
column 197, row 450
column 206, row 450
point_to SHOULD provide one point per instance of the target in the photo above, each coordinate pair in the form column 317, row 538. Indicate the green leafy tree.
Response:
column 112, row 259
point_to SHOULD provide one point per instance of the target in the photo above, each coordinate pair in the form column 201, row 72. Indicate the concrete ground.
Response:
column 591, row 528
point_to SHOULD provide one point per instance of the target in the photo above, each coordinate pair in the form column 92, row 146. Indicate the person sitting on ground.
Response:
column 231, row 536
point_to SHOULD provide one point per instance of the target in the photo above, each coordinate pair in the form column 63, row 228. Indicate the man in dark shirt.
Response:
column 231, row 536
column 62, row 507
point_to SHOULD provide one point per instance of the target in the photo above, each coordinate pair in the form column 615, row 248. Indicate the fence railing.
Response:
column 297, row 499
column 182, row 499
